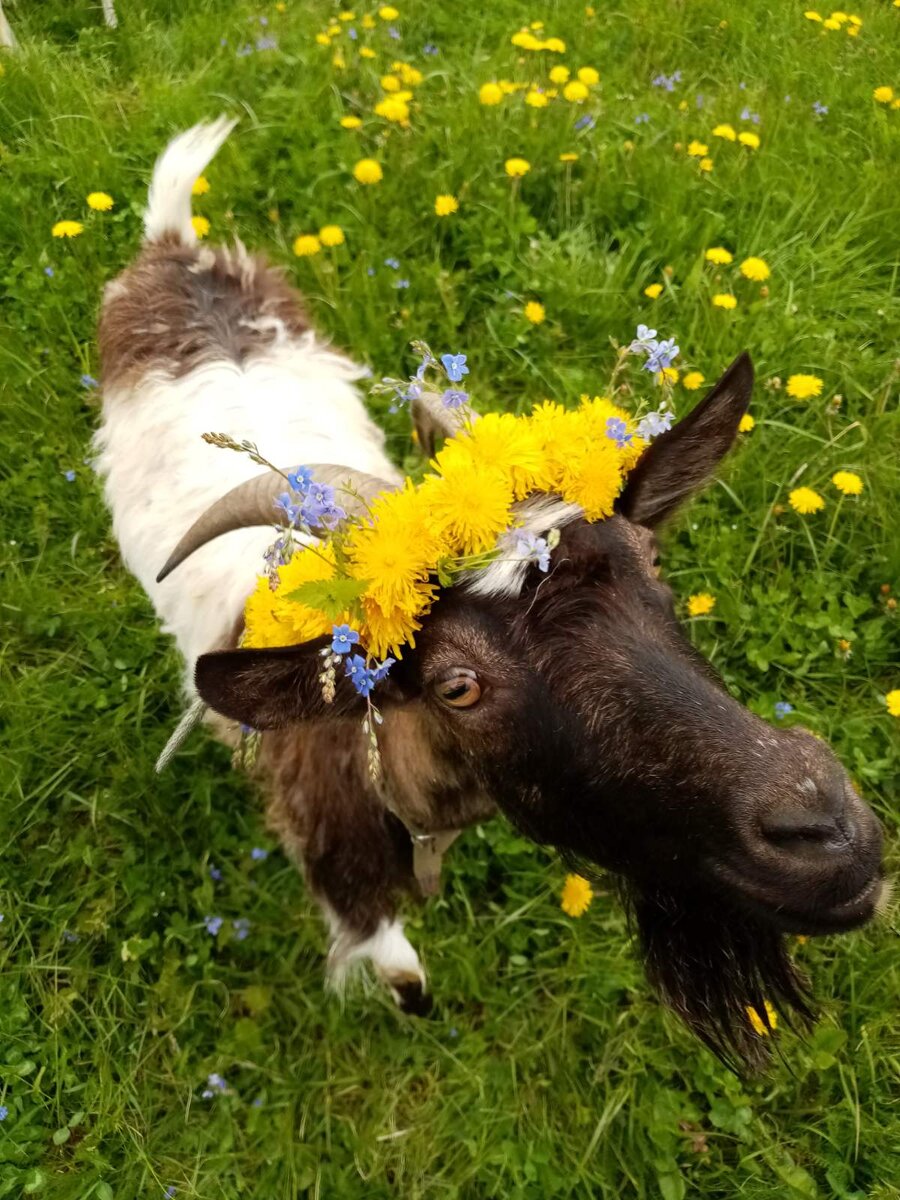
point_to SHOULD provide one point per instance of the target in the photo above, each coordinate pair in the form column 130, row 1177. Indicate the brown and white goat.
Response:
column 572, row 702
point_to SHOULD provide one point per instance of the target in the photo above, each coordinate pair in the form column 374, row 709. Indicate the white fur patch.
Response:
column 505, row 575
column 296, row 402
column 185, row 157
column 388, row 949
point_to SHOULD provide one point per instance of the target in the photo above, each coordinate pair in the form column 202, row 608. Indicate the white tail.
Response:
column 169, row 201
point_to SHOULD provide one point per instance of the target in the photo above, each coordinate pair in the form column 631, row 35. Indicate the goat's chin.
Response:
column 709, row 961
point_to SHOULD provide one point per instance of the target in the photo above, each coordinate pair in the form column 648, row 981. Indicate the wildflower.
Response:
column 69, row 476
column 719, row 255
column 804, row 500
column 724, row 300
column 700, row 604
column 847, row 482
column 200, row 226
column 746, row 423
column 576, row 897
column 642, row 119
column 812, row 15
column 49, row 272
column 588, row 76
column 575, row 92
column 367, row 171
column 884, row 95
column 445, row 205
column 453, row 398
column 535, row 312
column 490, row 94
column 306, row 245
column 747, row 138
column 430, row 48
column 259, row 854
column 536, row 99
column 343, row 638
column 350, row 122
column 559, row 75
column 214, row 1083
column 756, row 269
column 693, row 380
column 241, row 927
column 782, row 709
column 100, row 201
column 697, row 149
column 568, row 157
column 331, row 235
column 213, row 925
column 660, row 355
column 271, row 43
column 455, row 366
column 706, row 164
column 804, row 387
column 390, row 83
column 644, row 341
column 831, row 23
column 655, row 423
column 200, row 186
column 4, row 1112
column 67, row 229
column 89, row 381
column 171, row 1190
column 726, row 132
column 517, row 167
column 653, row 290
column 667, row 375
column 747, row 115
column 820, row 109
column 215, row 873
column 366, row 51
column 763, row 1028
column 617, row 431
column 393, row 263
column 892, row 700
column 359, row 674
column 532, row 549
column 387, row 12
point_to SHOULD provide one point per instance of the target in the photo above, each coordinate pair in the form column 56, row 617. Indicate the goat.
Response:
column 572, row 703
column 8, row 38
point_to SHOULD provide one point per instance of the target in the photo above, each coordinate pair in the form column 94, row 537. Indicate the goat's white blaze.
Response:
column 505, row 576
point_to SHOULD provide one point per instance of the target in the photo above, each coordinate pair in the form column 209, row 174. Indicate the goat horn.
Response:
column 433, row 419
column 252, row 503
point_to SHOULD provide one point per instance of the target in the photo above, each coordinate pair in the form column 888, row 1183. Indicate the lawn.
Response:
column 547, row 1068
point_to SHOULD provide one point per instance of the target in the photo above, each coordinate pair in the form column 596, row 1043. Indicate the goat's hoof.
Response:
column 412, row 998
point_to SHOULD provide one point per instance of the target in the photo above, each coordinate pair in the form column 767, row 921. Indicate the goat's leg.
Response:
column 109, row 13
column 7, row 37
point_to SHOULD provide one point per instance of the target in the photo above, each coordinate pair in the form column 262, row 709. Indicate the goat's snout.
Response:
column 821, row 823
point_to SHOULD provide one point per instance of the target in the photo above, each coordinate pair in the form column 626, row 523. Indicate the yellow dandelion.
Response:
column 201, row 186
column 759, row 1025
column 392, row 108
column 411, row 76
column 474, row 526
column 746, row 423
column 589, row 76
column 575, row 91
column 445, row 205
column 726, row 132
column 706, row 164
column 756, row 269
column 555, row 45
column 693, row 380
column 535, row 312
column 350, row 122
column 697, row 149
column 568, row 157
column 390, row 83
column 700, row 604
column 517, row 167
column 667, row 375
column 747, row 138
column 536, row 99
column 67, row 229
column 653, row 290
column 831, row 23
column 366, row 51
column 368, row 21
column 490, row 93
column 884, row 95
column 331, row 235
column 387, row 12
column 719, row 255
column 200, row 226
column 804, row 387
column 593, row 478
column 847, row 482
column 306, row 245
column 100, row 201
column 559, row 74
column 892, row 700
column 812, row 15
column 724, row 300
column 503, row 442
column 576, row 896
column 804, row 500
column 346, row 16
column 368, row 171
column 273, row 620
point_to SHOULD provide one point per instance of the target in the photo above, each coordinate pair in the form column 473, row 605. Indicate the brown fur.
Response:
column 178, row 307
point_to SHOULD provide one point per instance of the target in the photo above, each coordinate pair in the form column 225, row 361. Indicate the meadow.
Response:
column 547, row 1068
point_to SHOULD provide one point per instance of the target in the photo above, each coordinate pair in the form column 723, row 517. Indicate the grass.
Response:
column 548, row 1070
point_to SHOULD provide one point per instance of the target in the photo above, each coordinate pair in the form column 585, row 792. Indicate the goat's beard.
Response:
column 709, row 961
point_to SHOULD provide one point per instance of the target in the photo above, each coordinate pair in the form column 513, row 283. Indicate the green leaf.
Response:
column 61, row 1135
column 671, row 1185
column 333, row 597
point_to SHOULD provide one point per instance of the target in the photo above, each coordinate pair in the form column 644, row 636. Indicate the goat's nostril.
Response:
column 803, row 831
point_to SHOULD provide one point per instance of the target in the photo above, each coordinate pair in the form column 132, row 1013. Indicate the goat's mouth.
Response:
column 808, row 916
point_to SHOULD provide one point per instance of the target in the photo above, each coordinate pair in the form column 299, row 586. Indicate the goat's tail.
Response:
column 169, row 201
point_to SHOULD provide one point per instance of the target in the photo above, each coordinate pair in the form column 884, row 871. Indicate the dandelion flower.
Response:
column 726, row 132
column 535, row 312
column 387, row 12
column 847, row 482
column 568, row 157
column 759, row 1025
column 719, row 255
column 804, row 387
column 831, row 23
column 517, row 167
column 747, row 138
column 490, row 93
column 804, row 500
column 700, row 604
column 323, row 39
column 445, row 204
column 101, row 201
column 390, row 83
column 746, row 423
column 706, row 164
column 367, row 171
column 893, row 702
column 693, row 380
column 331, row 235
column 536, row 99
column 366, row 51
column 575, row 91
column 884, row 95
column 559, row 75
column 697, row 149
column 200, row 226
column 554, row 45
column 67, row 229
column 724, row 300
column 653, row 290
column 588, row 76
column 306, row 245
column 201, row 186
column 350, row 122
column 812, row 15
column 756, row 269
column 392, row 108
column 576, row 896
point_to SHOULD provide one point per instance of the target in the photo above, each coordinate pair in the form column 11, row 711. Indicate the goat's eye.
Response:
column 459, row 690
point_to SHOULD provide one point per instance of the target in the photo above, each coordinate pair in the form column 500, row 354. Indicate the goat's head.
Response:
column 575, row 701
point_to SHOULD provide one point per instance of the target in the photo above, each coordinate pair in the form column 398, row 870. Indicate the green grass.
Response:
column 547, row 1070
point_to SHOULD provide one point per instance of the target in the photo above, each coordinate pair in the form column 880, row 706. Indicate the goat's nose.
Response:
column 808, row 831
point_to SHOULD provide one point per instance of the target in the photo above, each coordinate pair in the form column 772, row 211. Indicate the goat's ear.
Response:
column 267, row 689
column 684, row 458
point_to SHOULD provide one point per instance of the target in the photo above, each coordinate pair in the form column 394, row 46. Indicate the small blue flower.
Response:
column 89, row 381
column 286, row 506
column 455, row 366
column 257, row 1103
column 359, row 674
column 533, row 549
column 300, row 479
column 819, row 108
column 370, row 271
column 394, row 33
column 241, row 927
column 4, row 1112
column 246, row 730
column 782, row 708
column 352, row 34
column 69, row 936
column 49, row 272
column 382, row 669
column 430, row 48
column 259, row 854
column 452, row 398
column 644, row 341
column 586, row 122
column 69, row 476
column 267, row 43
column 213, row 925
column 393, row 263
column 343, row 638
column 215, row 873
column 402, row 283
column 319, row 507
column 661, row 355
column 170, row 1191
column 642, row 119
column 617, row 431
column 655, row 423
column 243, row 51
